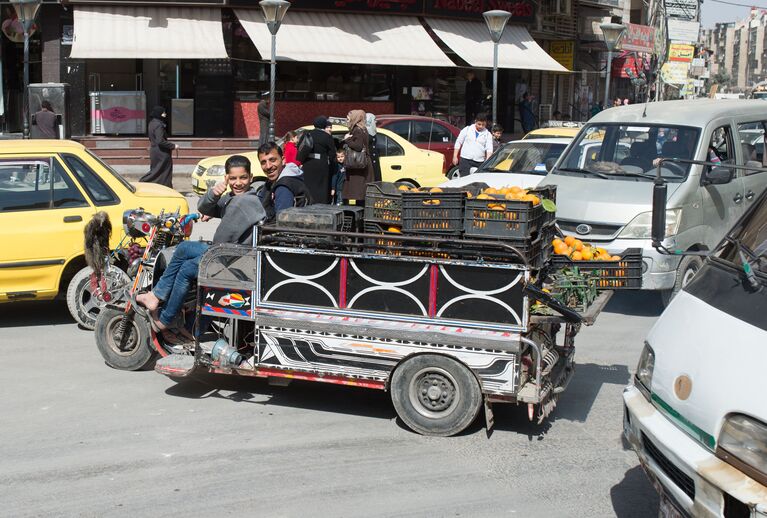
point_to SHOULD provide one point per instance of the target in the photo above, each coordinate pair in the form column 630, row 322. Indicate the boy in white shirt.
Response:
column 474, row 145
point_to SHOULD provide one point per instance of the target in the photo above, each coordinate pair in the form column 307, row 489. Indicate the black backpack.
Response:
column 305, row 146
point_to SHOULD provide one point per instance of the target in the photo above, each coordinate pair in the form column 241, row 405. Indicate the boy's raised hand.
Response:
column 219, row 189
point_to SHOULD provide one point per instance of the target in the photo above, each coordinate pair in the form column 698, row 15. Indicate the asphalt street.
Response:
column 81, row 439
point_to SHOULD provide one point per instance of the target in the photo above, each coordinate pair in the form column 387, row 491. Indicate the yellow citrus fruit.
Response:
column 578, row 244
column 616, row 258
column 587, row 254
column 577, row 256
column 435, row 189
column 556, row 241
column 569, row 240
column 396, row 230
column 484, row 196
column 560, row 247
column 403, row 188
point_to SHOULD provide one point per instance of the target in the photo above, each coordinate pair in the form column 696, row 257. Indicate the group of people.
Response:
column 311, row 173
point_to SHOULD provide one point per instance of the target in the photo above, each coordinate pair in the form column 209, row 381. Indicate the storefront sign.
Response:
column 638, row 38
column 522, row 11
column 699, row 62
column 683, row 31
column 674, row 73
column 629, row 67
column 682, row 53
column 682, row 9
column 563, row 52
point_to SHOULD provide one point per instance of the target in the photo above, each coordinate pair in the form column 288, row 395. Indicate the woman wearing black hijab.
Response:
column 319, row 162
column 161, row 163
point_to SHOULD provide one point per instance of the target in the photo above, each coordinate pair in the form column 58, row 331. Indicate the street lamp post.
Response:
column 26, row 10
column 496, row 23
column 274, row 12
column 612, row 33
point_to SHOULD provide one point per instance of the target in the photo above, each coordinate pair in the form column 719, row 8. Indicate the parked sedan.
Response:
column 524, row 163
column 423, row 132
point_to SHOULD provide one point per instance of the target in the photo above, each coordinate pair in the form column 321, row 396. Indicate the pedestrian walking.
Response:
column 474, row 145
column 46, row 121
column 497, row 132
column 263, row 121
column 160, row 160
column 359, row 166
column 318, row 160
column 473, row 96
column 526, row 112
column 291, row 148
column 370, row 124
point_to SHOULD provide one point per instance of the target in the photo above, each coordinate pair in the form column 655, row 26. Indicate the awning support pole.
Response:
column 272, row 85
column 178, row 82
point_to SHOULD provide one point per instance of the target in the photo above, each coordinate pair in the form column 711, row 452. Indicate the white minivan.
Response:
column 607, row 199
column 696, row 414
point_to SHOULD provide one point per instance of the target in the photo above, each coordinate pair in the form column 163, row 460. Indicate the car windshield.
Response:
column 751, row 238
column 522, row 157
column 630, row 152
column 114, row 173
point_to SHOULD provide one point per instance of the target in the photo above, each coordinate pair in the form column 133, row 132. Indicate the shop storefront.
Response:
column 206, row 61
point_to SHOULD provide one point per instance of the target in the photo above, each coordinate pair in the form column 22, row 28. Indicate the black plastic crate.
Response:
column 433, row 212
column 383, row 203
column 608, row 275
column 507, row 219
column 378, row 243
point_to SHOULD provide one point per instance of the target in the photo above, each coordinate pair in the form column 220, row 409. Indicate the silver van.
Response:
column 607, row 198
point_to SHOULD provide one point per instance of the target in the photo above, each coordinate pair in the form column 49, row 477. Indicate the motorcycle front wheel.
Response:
column 124, row 340
column 83, row 305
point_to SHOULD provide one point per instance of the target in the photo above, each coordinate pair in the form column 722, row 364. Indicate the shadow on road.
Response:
column 300, row 394
column 635, row 303
column 634, row 496
column 35, row 313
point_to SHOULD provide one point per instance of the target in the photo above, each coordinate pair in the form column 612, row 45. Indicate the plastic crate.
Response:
column 377, row 243
column 383, row 203
column 433, row 212
column 506, row 219
column 608, row 275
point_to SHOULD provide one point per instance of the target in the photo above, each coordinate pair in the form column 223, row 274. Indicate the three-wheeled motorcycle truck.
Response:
column 446, row 324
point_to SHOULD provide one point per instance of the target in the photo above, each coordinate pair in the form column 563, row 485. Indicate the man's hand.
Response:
column 455, row 160
column 204, row 218
column 219, row 189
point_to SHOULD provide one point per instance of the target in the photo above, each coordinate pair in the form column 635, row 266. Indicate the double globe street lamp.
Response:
column 496, row 22
column 26, row 10
column 612, row 33
column 274, row 12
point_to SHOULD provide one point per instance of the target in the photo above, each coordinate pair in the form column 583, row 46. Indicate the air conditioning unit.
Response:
column 556, row 7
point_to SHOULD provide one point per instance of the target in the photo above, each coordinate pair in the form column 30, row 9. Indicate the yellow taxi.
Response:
column 553, row 132
column 400, row 161
column 49, row 190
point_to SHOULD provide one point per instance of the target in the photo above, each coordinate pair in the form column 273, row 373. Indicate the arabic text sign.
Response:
column 563, row 52
column 683, row 31
column 638, row 38
column 684, row 9
column 681, row 53
column 674, row 73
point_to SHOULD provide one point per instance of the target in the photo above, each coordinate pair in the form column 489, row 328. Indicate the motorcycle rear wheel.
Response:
column 130, row 350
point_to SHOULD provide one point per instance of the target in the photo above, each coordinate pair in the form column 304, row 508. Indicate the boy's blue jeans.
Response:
column 173, row 286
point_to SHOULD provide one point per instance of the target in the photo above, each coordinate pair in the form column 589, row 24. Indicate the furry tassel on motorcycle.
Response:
column 97, row 233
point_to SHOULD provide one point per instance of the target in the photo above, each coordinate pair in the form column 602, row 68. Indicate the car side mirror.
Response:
column 718, row 175
column 550, row 163
column 658, row 230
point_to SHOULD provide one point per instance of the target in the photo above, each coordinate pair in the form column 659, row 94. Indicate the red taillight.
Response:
column 145, row 228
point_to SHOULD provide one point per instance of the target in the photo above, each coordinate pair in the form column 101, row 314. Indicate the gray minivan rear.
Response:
column 605, row 198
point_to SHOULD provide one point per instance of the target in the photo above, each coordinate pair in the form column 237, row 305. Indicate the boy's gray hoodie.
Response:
column 238, row 214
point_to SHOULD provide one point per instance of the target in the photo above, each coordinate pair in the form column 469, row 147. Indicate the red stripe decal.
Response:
column 433, row 274
column 342, row 283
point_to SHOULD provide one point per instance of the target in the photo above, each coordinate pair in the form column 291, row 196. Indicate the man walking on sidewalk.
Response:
column 474, row 145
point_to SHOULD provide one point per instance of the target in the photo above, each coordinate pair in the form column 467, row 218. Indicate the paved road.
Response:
column 78, row 438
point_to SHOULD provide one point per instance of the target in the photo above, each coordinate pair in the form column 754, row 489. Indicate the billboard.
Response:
column 680, row 52
column 683, row 31
column 563, row 52
column 638, row 38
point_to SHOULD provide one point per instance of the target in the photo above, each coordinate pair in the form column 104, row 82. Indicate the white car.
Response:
column 519, row 162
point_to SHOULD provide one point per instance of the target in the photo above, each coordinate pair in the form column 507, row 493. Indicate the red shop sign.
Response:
column 638, row 38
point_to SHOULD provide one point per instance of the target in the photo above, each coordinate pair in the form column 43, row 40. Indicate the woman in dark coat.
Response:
column 370, row 122
column 319, row 162
column 358, row 139
column 161, row 163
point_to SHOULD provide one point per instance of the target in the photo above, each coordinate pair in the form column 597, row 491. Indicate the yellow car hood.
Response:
column 153, row 190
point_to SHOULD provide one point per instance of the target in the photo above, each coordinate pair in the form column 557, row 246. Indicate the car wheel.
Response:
column 435, row 395
column 453, row 173
column 688, row 267
column 82, row 303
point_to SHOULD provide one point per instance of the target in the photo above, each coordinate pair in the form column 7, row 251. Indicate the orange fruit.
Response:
column 403, row 188
column 395, row 230
column 534, row 199
column 435, row 189
column 484, row 196
column 515, row 189
column 578, row 244
column 577, row 256
column 468, row 194
column 560, row 248
column 556, row 241
column 616, row 258
column 569, row 240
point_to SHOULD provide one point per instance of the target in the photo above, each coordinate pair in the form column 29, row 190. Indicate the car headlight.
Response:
column 645, row 369
column 743, row 444
column 216, row 170
column 641, row 226
column 199, row 170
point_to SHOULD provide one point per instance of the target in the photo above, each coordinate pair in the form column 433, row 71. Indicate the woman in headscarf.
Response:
column 358, row 140
column 161, row 163
column 370, row 123
column 319, row 161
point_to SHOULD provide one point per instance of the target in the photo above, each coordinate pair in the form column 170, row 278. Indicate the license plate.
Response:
column 667, row 509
